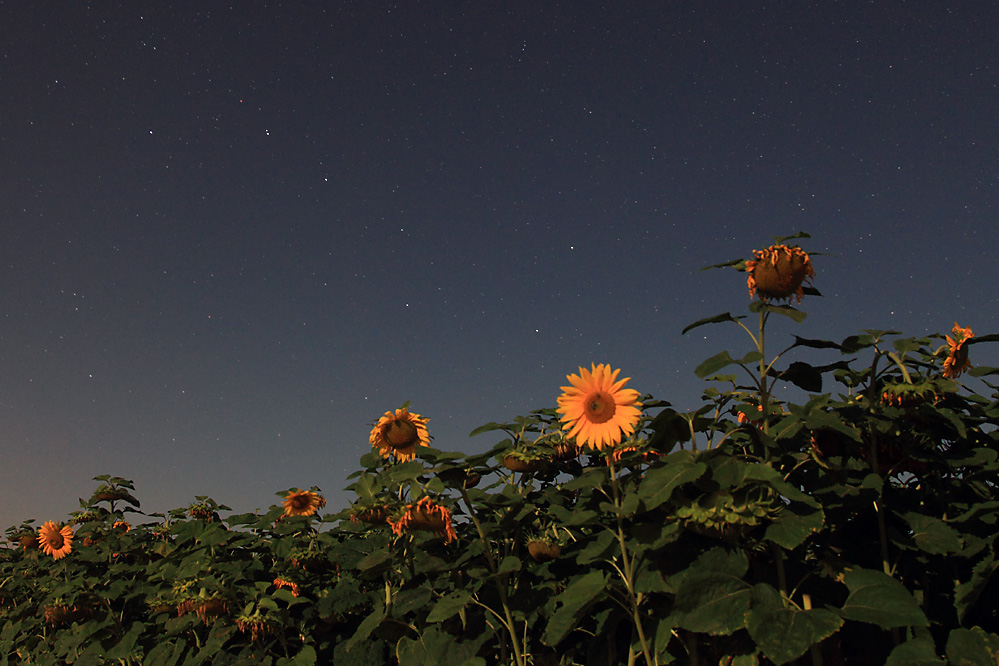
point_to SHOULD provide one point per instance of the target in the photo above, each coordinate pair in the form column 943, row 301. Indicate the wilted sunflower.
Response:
column 957, row 358
column 778, row 272
column 280, row 583
column 398, row 434
column 597, row 409
column 303, row 503
column 54, row 540
column 425, row 515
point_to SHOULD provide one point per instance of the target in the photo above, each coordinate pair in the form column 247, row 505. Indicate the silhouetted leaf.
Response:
column 725, row 316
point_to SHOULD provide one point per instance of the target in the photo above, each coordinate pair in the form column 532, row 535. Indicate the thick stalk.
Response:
column 764, row 388
column 518, row 653
column 627, row 568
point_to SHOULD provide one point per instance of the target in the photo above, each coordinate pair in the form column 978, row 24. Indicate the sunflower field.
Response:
column 855, row 525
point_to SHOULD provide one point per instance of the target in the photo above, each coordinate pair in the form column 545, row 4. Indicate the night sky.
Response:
column 232, row 238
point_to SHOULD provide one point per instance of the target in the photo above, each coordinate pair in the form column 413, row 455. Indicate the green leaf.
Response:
column 369, row 624
column 802, row 375
column 660, row 482
column 815, row 344
column 739, row 264
column 784, row 634
column 725, row 316
column 448, row 605
column 877, row 598
column 918, row 651
column 305, row 657
column 668, row 428
column 712, row 597
column 795, row 523
column 488, row 427
column 375, row 560
column 406, row 601
column 573, row 603
column 722, row 360
column 509, row 564
column 967, row 594
column 165, row 654
column 786, row 310
column 598, row 548
column 933, row 535
column 972, row 647
column 123, row 648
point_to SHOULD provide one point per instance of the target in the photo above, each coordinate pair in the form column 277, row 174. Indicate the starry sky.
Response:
column 233, row 235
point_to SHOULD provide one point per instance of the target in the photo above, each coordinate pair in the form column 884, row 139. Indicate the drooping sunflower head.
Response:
column 397, row 434
column 427, row 515
column 302, row 503
column 596, row 409
column 55, row 540
column 779, row 272
column 957, row 358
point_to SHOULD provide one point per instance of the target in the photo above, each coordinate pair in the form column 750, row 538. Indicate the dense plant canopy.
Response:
column 856, row 525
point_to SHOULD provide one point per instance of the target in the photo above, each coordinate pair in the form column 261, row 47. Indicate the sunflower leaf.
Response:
column 739, row 264
column 575, row 600
column 877, row 598
column 786, row 310
column 721, row 360
column 725, row 316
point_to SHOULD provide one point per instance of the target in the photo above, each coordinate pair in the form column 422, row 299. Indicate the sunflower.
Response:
column 302, row 503
column 597, row 408
column 398, row 434
column 957, row 358
column 778, row 272
column 55, row 540
column 280, row 583
column 425, row 515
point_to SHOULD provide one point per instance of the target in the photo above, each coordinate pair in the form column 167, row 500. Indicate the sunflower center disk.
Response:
column 400, row 434
column 599, row 407
column 56, row 541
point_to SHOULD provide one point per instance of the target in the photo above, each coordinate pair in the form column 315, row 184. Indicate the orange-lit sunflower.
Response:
column 597, row 408
column 55, row 540
column 398, row 434
column 292, row 586
column 778, row 272
column 957, row 358
column 425, row 515
column 303, row 503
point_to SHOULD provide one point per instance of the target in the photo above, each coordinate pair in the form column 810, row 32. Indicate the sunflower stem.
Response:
column 764, row 388
column 500, row 585
column 627, row 565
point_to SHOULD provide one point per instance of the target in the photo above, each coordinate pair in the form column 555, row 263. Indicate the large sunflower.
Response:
column 398, row 434
column 597, row 408
column 778, row 272
column 303, row 503
column 957, row 358
column 55, row 540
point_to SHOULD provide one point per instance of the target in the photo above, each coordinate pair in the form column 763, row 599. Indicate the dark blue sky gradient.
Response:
column 234, row 237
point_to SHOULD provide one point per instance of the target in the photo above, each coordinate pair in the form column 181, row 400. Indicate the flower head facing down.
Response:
column 55, row 540
column 957, row 358
column 397, row 434
column 425, row 515
column 281, row 583
column 778, row 272
column 303, row 503
column 596, row 409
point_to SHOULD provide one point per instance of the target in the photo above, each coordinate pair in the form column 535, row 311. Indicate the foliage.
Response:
column 852, row 527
